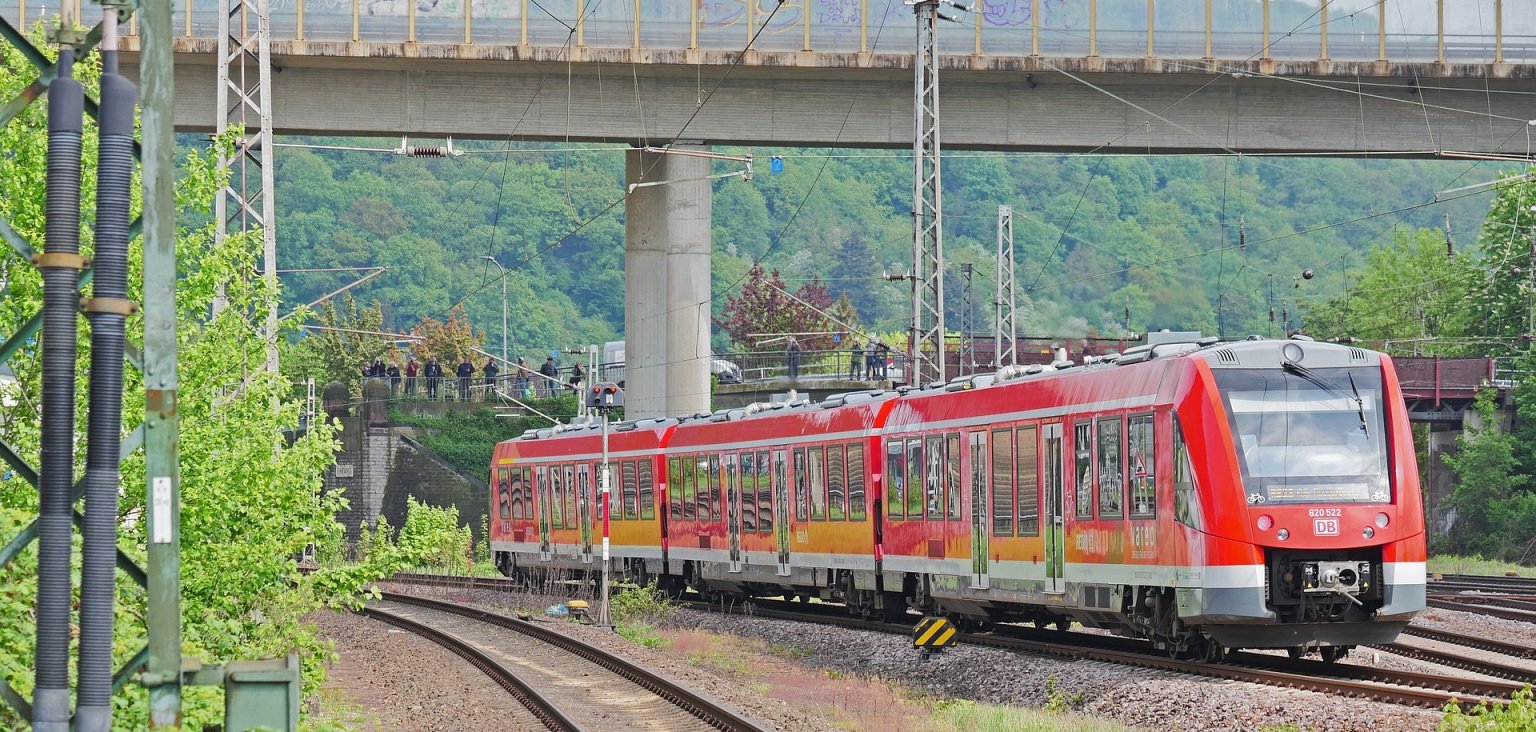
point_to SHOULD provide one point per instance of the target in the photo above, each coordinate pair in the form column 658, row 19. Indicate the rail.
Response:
column 550, row 714
column 698, row 705
column 1439, row 31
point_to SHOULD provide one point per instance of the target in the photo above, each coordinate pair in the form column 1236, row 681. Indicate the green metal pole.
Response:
column 163, row 492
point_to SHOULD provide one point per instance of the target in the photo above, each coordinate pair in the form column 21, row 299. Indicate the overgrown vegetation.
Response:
column 466, row 440
column 638, row 611
column 1519, row 715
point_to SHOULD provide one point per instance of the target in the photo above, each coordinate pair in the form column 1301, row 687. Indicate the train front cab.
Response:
column 1314, row 533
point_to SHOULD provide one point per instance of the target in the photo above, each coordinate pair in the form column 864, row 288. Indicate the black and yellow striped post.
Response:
column 934, row 634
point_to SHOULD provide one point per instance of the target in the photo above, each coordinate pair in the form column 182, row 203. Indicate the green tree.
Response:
column 1502, row 301
column 1410, row 289
column 1495, row 512
column 348, row 340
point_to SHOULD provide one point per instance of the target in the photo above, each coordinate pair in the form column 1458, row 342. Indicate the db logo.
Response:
column 1325, row 527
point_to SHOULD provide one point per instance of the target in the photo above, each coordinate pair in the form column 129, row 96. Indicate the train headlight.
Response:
column 1292, row 353
column 1283, row 534
column 1266, row 523
column 1382, row 520
column 1367, row 532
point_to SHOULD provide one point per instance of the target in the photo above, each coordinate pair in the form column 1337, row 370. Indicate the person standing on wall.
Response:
column 434, row 375
column 793, row 351
column 393, row 372
column 411, row 370
column 576, row 376
column 465, row 372
column 856, row 361
column 490, row 372
column 551, row 373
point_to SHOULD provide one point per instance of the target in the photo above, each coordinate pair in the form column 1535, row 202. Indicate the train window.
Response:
column 503, row 493
column 1139, row 464
column 818, row 485
column 689, row 488
column 918, row 478
column 747, row 461
column 933, row 478
column 856, row 482
column 674, row 487
column 584, row 493
column 647, row 490
column 515, row 493
column 895, row 481
column 556, row 499
column 1002, row 483
column 780, row 512
column 1082, row 446
column 952, row 485
column 764, row 495
column 802, row 507
column 631, row 489
column 571, row 517
column 541, row 504
column 1111, row 468
column 1026, row 472
column 714, row 489
column 837, row 486
column 1186, row 499
column 527, row 494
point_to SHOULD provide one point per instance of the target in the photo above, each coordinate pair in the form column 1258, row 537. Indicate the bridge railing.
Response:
column 1451, row 31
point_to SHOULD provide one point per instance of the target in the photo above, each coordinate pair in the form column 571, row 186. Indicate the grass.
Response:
column 1452, row 564
column 848, row 701
column 966, row 716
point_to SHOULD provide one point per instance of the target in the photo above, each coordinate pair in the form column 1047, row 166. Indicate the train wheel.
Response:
column 1209, row 651
column 1064, row 624
column 1334, row 654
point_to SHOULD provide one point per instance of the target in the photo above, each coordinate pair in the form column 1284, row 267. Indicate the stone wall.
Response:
column 380, row 467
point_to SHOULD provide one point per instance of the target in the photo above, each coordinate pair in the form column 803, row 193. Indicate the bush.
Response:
column 432, row 538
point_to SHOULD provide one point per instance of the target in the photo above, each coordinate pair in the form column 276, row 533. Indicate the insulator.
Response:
column 428, row 151
column 1242, row 234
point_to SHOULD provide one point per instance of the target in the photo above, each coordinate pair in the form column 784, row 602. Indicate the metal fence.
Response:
column 1458, row 31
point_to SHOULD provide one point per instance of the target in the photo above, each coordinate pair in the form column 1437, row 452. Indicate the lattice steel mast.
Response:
column 925, row 340
column 967, row 323
column 245, row 72
column 1005, row 352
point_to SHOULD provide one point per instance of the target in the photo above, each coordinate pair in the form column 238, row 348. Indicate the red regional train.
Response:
column 1206, row 496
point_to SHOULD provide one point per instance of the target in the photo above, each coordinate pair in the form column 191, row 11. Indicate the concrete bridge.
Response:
column 1410, row 77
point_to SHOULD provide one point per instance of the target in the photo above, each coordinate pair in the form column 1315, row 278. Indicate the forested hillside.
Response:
column 1104, row 243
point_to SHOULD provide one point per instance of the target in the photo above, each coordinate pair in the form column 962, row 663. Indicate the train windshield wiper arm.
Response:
column 1359, row 406
column 1306, row 373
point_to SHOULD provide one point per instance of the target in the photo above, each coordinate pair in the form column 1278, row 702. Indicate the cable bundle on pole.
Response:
column 60, row 264
column 108, row 311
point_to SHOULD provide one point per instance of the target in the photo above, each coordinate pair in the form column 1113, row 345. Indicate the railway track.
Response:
column 1483, row 583
column 1485, row 605
column 537, row 665
column 1398, row 687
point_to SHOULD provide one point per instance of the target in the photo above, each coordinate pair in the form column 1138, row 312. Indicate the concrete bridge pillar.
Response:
column 667, row 246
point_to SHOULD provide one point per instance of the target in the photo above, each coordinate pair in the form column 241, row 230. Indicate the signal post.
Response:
column 604, row 397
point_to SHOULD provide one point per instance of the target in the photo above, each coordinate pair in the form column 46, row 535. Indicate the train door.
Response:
column 584, row 509
column 979, row 524
column 733, row 510
column 545, row 514
column 781, row 511
column 1055, row 525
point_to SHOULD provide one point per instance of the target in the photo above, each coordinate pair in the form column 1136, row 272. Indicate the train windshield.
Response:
column 1308, row 435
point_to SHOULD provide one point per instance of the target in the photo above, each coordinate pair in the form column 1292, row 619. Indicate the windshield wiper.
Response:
column 1359, row 405
column 1306, row 373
